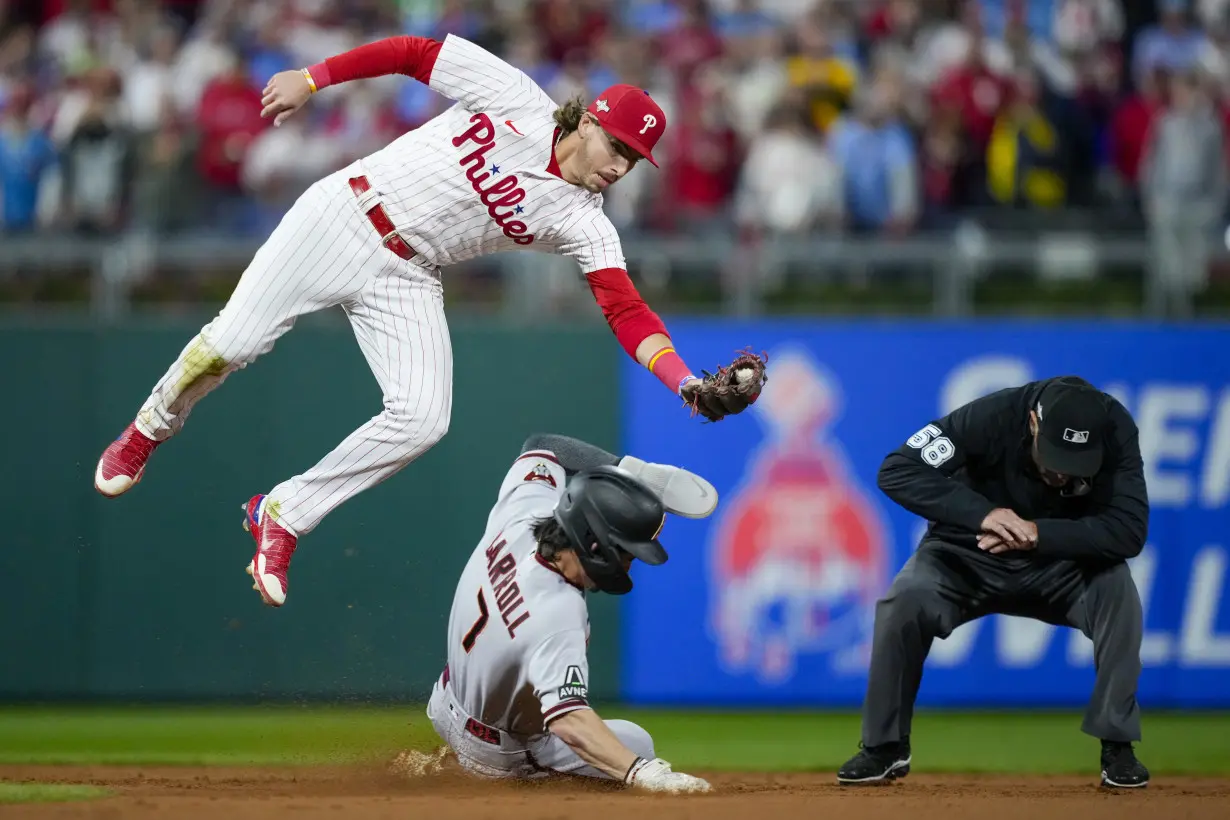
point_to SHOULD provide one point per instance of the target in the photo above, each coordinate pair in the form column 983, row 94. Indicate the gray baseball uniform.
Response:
column 517, row 638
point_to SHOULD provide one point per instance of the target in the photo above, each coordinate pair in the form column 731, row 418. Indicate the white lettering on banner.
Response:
column 956, row 648
column 1080, row 649
column 979, row 377
column 1199, row 643
column 1161, row 408
column 1215, row 483
column 1023, row 642
column 1120, row 391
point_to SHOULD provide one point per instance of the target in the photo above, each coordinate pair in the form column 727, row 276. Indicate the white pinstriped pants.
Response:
column 326, row 253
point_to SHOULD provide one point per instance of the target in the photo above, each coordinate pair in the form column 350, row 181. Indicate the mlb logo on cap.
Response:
column 631, row 116
column 1071, row 431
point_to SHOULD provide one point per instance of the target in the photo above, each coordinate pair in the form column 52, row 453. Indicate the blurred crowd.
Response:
column 786, row 116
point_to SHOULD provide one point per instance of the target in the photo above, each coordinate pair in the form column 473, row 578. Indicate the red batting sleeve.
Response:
column 633, row 322
column 413, row 56
column 625, row 311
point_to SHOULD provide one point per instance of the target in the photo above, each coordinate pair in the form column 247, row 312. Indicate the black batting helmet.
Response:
column 607, row 512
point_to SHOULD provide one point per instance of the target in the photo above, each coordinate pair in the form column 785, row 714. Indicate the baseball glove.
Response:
column 732, row 389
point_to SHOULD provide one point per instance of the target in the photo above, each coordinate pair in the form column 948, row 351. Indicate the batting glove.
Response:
column 656, row 776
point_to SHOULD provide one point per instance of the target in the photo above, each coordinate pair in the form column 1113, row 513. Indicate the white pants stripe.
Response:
column 514, row 757
column 325, row 253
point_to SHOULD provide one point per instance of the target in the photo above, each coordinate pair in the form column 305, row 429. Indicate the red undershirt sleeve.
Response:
column 625, row 311
column 412, row 56
column 633, row 322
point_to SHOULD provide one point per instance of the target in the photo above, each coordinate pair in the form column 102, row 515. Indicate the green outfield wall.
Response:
column 145, row 596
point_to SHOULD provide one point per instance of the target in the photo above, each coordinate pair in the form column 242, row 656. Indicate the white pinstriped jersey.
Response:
column 518, row 631
column 474, row 181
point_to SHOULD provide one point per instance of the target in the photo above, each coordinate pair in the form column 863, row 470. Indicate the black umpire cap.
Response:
column 1072, row 423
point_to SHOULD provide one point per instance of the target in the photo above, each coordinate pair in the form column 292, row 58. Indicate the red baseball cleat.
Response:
column 274, row 547
column 123, row 462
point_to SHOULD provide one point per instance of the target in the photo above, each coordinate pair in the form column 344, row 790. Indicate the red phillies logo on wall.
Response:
column 505, row 193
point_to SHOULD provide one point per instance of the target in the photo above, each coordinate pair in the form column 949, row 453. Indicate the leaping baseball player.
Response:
column 512, row 701
column 504, row 168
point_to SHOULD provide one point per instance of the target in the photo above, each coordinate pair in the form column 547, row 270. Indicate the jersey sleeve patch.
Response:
column 574, row 687
column 572, row 694
column 539, row 469
column 535, row 468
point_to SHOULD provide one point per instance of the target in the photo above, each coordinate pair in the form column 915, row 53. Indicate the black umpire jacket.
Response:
column 959, row 468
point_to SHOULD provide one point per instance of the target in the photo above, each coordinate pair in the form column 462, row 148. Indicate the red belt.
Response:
column 389, row 237
column 482, row 731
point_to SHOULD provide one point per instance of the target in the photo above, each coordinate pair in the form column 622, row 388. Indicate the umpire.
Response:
column 1035, row 498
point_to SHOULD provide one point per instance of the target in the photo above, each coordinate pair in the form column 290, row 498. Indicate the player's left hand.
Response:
column 732, row 389
column 284, row 94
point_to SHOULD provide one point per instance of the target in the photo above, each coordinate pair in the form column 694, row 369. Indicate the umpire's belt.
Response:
column 482, row 731
column 370, row 205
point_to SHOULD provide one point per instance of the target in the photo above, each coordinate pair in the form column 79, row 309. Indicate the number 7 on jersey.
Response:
column 467, row 643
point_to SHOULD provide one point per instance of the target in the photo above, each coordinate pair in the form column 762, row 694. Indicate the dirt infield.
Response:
column 186, row 793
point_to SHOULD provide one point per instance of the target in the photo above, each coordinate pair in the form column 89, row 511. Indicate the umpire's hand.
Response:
column 1003, row 531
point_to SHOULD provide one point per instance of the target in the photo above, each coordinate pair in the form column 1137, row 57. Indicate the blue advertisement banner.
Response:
column 771, row 600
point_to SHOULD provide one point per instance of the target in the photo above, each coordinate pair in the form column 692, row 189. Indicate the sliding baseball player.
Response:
column 513, row 701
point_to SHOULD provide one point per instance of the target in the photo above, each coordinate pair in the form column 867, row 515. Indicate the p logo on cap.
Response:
column 631, row 116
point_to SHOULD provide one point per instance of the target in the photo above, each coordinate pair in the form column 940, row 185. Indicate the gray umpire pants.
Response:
column 943, row 586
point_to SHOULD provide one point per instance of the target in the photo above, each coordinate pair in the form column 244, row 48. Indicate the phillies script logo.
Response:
column 505, row 193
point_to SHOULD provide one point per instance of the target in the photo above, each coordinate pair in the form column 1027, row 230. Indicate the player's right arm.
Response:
column 919, row 474
column 594, row 742
column 454, row 67
column 595, row 246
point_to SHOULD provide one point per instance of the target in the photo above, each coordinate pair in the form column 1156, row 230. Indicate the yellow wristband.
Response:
column 654, row 359
column 307, row 75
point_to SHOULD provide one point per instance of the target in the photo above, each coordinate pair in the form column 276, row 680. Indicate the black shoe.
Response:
column 876, row 764
column 1120, row 768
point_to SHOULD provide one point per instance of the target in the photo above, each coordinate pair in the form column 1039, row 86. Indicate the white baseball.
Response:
column 744, row 375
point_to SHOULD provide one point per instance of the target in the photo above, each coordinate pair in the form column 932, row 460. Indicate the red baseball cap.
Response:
column 631, row 116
